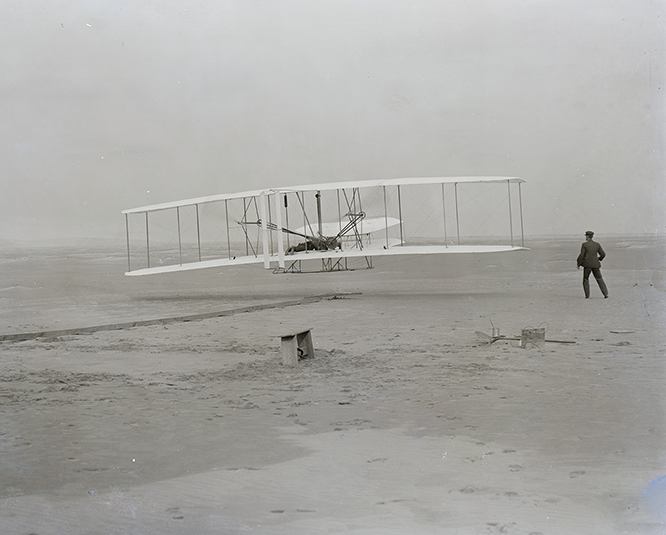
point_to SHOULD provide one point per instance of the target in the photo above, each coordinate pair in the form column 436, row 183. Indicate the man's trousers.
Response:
column 597, row 275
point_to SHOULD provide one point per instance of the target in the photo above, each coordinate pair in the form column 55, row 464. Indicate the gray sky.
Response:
column 108, row 105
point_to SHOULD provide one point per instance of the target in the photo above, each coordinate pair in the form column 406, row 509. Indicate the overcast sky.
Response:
column 112, row 104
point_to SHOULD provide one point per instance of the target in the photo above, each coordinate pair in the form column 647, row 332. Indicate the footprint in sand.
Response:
column 175, row 513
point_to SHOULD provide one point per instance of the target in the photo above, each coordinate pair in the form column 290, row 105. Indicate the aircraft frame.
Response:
column 363, row 219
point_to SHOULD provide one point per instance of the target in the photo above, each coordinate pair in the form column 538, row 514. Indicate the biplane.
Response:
column 333, row 223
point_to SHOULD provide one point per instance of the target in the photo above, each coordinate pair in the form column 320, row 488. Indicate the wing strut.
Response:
column 129, row 267
column 280, row 229
column 180, row 243
column 402, row 239
column 508, row 186
column 446, row 241
column 198, row 232
column 147, row 241
column 455, row 186
column 226, row 216
column 318, row 197
column 385, row 217
column 248, row 241
column 264, row 228
column 520, row 202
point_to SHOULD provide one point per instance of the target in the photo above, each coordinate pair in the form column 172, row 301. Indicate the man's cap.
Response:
column 589, row 233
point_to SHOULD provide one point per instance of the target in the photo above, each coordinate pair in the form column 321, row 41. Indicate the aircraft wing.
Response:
column 401, row 216
column 333, row 254
column 189, row 266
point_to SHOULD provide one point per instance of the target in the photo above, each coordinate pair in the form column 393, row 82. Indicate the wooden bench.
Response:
column 297, row 346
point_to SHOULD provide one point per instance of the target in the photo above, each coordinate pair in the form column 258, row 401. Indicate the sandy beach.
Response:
column 406, row 421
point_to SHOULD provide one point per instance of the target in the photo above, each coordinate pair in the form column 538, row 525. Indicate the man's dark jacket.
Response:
column 591, row 255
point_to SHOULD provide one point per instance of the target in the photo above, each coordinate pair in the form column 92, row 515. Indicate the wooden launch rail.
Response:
column 15, row 337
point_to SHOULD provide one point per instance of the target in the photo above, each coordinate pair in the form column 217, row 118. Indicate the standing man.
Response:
column 590, row 257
